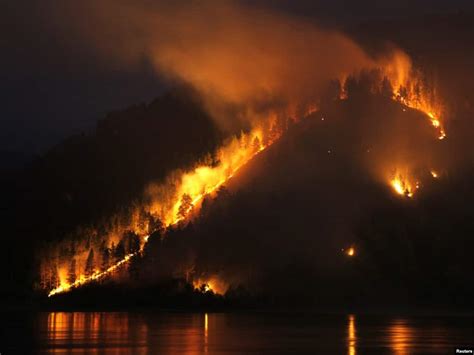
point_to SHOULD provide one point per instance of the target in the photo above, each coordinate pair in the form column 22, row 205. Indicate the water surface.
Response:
column 239, row 333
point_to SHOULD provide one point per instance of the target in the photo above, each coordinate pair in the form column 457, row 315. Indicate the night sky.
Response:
column 52, row 87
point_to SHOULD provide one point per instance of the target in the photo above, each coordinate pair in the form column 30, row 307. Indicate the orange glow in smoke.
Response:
column 410, row 89
column 213, row 283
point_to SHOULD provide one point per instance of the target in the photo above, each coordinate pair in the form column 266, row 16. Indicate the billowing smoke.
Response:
column 242, row 60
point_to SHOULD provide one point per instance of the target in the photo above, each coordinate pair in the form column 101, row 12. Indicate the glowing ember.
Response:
column 434, row 174
column 350, row 251
column 442, row 134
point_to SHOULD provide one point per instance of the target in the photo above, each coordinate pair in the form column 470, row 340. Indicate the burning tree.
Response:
column 185, row 206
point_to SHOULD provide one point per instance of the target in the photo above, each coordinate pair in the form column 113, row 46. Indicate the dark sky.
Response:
column 52, row 87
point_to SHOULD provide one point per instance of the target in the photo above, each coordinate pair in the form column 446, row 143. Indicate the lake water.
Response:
column 233, row 333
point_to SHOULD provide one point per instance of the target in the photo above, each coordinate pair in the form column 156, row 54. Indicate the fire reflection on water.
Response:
column 351, row 335
column 401, row 338
column 206, row 332
column 74, row 330
column 198, row 333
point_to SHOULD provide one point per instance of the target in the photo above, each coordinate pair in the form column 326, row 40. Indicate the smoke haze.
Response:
column 243, row 60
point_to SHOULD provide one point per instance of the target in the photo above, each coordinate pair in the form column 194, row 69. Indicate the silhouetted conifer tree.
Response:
column 105, row 255
column 155, row 225
column 54, row 280
column 133, row 242
column 90, row 265
column 71, row 274
column 119, row 251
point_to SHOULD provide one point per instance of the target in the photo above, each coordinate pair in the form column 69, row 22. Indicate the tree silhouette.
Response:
column 119, row 251
column 71, row 274
column 105, row 255
column 54, row 279
column 133, row 242
column 155, row 225
column 90, row 265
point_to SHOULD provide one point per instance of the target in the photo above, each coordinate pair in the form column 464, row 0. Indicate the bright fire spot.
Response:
column 434, row 174
column 213, row 284
column 402, row 186
column 442, row 134
column 349, row 251
column 435, row 122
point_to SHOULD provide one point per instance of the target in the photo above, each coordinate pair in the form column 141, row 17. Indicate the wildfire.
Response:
column 350, row 251
column 205, row 180
column 214, row 284
column 437, row 124
column 176, row 200
column 193, row 186
column 421, row 104
column 410, row 88
column 402, row 186
column 95, row 276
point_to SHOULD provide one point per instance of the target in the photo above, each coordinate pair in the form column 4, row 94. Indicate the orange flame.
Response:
column 213, row 283
column 402, row 185
column 410, row 89
column 196, row 184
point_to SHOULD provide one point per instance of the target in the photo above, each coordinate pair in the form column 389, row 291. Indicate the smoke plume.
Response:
column 242, row 60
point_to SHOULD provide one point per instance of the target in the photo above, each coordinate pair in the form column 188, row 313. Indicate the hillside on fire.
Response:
column 361, row 192
column 286, row 164
column 90, row 177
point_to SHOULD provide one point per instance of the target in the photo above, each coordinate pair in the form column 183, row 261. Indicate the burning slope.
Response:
column 173, row 202
column 411, row 89
column 252, row 69
column 295, row 206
